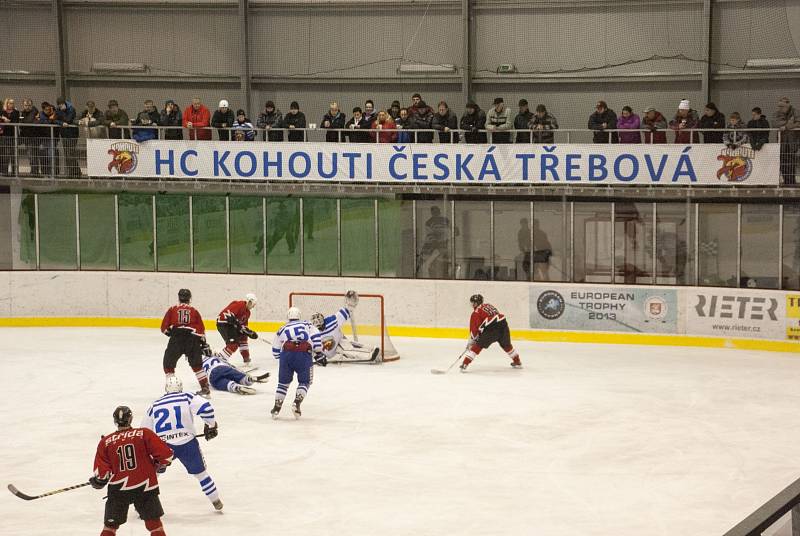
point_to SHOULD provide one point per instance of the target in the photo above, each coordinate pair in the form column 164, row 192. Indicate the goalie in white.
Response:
column 336, row 347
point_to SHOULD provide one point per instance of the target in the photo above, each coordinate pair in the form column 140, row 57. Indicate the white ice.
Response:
column 586, row 439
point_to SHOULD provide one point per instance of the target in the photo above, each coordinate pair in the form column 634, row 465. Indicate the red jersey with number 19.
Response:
column 183, row 316
column 128, row 458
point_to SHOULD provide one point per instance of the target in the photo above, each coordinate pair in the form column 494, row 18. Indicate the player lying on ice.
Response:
column 225, row 377
column 336, row 347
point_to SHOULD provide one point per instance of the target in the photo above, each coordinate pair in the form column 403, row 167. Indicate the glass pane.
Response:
column 551, row 241
column 633, row 239
column 208, row 225
column 592, row 242
column 760, row 246
column 473, row 240
column 675, row 244
column 791, row 247
column 512, row 240
column 396, row 238
column 717, row 248
column 283, row 233
column 23, row 233
column 98, row 243
column 434, row 250
column 57, row 232
column 172, row 233
column 358, row 237
column 320, row 236
column 135, row 212
column 247, row 235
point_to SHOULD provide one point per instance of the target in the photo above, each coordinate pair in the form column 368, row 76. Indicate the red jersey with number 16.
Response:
column 483, row 315
column 128, row 458
column 183, row 316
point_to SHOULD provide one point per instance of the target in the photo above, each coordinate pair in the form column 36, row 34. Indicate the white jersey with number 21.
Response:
column 171, row 417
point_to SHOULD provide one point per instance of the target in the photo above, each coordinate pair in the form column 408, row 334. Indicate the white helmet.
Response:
column 251, row 300
column 174, row 384
column 293, row 313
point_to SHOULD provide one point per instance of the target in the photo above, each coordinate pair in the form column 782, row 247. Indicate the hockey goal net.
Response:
column 367, row 322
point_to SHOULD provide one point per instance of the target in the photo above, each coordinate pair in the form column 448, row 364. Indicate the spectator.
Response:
column 223, row 120
column 600, row 121
column 735, row 136
column 522, row 121
column 684, row 123
column 9, row 118
column 758, row 138
column 92, row 121
column 369, row 111
column 197, row 118
column 270, row 120
column 243, row 128
column 384, row 127
column 654, row 125
column 444, row 122
column 473, row 122
column 394, row 110
column 629, row 121
column 543, row 124
column 48, row 148
column 401, row 124
column 788, row 122
column 334, row 119
column 712, row 118
column 295, row 120
column 420, row 118
column 171, row 117
column 65, row 114
column 498, row 121
column 29, row 136
column 358, row 127
column 149, row 117
column 116, row 118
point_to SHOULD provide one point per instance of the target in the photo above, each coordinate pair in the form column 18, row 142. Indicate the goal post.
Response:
column 367, row 321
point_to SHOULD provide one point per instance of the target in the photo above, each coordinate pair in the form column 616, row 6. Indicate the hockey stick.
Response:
column 438, row 371
column 25, row 497
column 262, row 378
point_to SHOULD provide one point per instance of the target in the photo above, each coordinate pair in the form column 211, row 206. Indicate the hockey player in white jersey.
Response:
column 225, row 377
column 337, row 347
column 171, row 417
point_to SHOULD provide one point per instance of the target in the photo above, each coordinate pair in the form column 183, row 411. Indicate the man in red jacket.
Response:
column 487, row 325
column 128, row 460
column 197, row 119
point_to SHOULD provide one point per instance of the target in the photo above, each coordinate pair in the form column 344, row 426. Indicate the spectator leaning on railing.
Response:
column 222, row 120
column 295, row 120
column 243, row 128
column 654, row 125
column 358, row 127
column 91, row 121
column 735, row 135
column 684, row 124
column 66, row 116
column 758, row 120
column 401, row 124
column 420, row 118
column 48, row 147
column 9, row 118
column 522, row 121
column 369, row 111
column 712, row 118
column 116, row 118
column 473, row 122
column 29, row 135
column 334, row 119
column 171, row 117
column 788, row 122
column 601, row 120
column 543, row 123
column 629, row 121
column 197, row 118
column 387, row 132
column 444, row 122
column 270, row 120
column 498, row 122
column 149, row 117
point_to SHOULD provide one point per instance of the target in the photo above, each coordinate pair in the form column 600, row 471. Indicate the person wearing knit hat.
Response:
column 713, row 119
column 242, row 127
column 684, row 124
column 270, row 121
column 394, row 109
column 295, row 120
column 600, row 121
column 684, row 105
column 473, row 122
column 223, row 119
column 788, row 121
column 654, row 125
column 522, row 121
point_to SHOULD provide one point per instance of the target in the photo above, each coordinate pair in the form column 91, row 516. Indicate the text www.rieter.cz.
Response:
column 724, row 327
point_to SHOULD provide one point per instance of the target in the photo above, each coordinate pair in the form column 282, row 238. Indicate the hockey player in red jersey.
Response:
column 128, row 460
column 232, row 325
column 187, row 336
column 487, row 325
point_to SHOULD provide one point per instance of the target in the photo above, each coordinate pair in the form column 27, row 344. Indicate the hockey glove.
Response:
column 161, row 468
column 249, row 332
column 209, row 432
column 207, row 351
column 168, row 332
column 351, row 299
column 321, row 360
column 98, row 483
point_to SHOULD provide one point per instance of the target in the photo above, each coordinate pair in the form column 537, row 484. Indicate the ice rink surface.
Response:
column 586, row 439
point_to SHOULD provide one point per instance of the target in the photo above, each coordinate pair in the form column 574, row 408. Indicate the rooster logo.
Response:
column 124, row 157
column 735, row 167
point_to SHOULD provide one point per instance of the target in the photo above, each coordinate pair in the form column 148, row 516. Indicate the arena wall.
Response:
column 686, row 316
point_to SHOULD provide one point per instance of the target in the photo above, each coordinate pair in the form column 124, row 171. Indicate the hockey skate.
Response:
column 244, row 390
column 515, row 362
column 217, row 504
column 296, row 406
column 276, row 408
column 465, row 364
column 204, row 391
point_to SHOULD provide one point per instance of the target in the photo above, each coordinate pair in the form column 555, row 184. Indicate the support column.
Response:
column 466, row 69
column 705, row 67
column 244, row 55
column 60, row 47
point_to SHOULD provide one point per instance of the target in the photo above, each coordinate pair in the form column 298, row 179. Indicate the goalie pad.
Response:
column 355, row 352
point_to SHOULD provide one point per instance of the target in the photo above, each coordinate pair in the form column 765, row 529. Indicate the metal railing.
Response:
column 771, row 512
column 45, row 150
